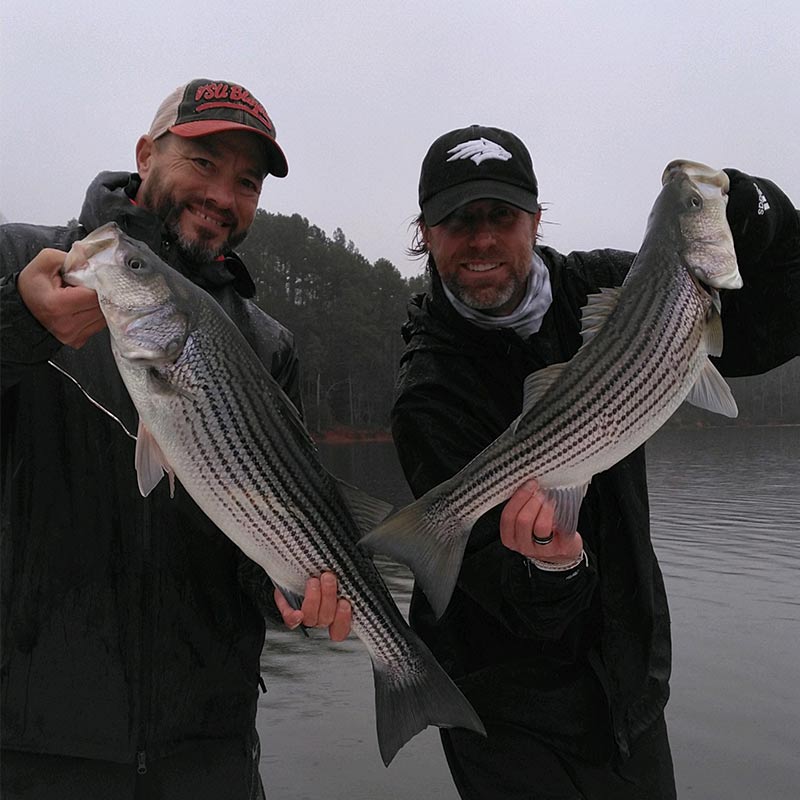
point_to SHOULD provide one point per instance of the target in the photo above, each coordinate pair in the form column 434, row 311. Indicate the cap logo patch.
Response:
column 229, row 95
column 479, row 150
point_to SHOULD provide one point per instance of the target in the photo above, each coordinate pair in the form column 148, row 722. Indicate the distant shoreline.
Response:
column 346, row 435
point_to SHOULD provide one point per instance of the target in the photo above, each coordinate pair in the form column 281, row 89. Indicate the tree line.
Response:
column 346, row 314
column 344, row 311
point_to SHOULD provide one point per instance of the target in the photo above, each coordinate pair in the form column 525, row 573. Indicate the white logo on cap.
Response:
column 479, row 150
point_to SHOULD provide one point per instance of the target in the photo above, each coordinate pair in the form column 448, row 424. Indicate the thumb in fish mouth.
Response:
column 81, row 251
column 76, row 258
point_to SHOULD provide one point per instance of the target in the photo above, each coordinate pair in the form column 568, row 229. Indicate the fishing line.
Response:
column 92, row 400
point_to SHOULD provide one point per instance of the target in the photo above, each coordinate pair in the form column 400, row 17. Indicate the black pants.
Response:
column 211, row 770
column 512, row 765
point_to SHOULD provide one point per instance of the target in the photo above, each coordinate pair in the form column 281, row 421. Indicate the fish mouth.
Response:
column 698, row 174
column 80, row 253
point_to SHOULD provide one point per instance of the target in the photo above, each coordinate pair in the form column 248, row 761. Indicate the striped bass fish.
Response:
column 212, row 416
column 645, row 350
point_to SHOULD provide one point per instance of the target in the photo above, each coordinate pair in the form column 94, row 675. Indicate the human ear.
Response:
column 535, row 220
column 144, row 154
column 424, row 234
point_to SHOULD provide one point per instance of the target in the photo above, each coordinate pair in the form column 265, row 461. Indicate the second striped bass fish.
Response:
column 211, row 415
column 645, row 350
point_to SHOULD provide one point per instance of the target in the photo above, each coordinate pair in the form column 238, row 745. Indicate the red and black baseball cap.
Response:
column 476, row 163
column 202, row 106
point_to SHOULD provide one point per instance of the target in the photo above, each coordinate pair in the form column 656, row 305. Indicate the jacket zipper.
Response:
column 148, row 612
column 145, row 638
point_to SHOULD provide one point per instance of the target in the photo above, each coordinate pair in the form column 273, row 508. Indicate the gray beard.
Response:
column 483, row 301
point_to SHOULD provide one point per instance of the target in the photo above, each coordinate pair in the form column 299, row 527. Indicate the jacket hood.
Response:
column 110, row 197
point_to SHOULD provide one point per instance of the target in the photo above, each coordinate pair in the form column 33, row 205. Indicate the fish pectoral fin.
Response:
column 151, row 463
column 567, row 502
column 536, row 384
column 713, row 333
column 712, row 393
column 368, row 511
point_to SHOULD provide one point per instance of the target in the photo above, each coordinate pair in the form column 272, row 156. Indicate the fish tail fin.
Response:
column 430, row 539
column 421, row 694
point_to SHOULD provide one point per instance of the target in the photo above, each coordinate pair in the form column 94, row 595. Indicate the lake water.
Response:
column 725, row 506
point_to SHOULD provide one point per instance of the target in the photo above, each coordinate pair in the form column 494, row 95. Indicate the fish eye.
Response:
column 695, row 201
column 134, row 263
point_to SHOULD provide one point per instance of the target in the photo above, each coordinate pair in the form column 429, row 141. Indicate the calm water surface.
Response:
column 725, row 506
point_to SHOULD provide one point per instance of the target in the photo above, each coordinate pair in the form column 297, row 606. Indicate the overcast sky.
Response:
column 604, row 94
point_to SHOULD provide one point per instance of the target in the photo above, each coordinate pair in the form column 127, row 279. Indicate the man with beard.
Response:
column 559, row 640
column 131, row 627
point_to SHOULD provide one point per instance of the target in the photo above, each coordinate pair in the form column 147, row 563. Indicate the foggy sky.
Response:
column 604, row 97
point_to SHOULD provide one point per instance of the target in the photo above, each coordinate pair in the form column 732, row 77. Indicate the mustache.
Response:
column 197, row 251
column 227, row 216
column 471, row 254
column 172, row 209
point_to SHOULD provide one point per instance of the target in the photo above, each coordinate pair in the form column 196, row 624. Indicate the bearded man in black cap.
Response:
column 132, row 627
column 560, row 641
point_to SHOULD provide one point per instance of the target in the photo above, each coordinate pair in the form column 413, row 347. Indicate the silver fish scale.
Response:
column 237, row 447
column 642, row 380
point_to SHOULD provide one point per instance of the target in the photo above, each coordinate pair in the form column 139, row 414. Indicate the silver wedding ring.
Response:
column 537, row 540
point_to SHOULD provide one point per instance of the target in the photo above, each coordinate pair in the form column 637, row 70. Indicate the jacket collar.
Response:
column 433, row 323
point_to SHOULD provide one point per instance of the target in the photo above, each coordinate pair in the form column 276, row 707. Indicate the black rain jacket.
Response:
column 129, row 624
column 582, row 661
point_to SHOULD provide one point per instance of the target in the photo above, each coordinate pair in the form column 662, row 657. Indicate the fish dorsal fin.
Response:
column 597, row 310
column 536, row 384
column 567, row 505
column 712, row 393
column 151, row 463
column 713, row 334
column 368, row 512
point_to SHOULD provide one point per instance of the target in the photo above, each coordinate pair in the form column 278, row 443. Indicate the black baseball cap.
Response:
column 203, row 106
column 476, row 163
